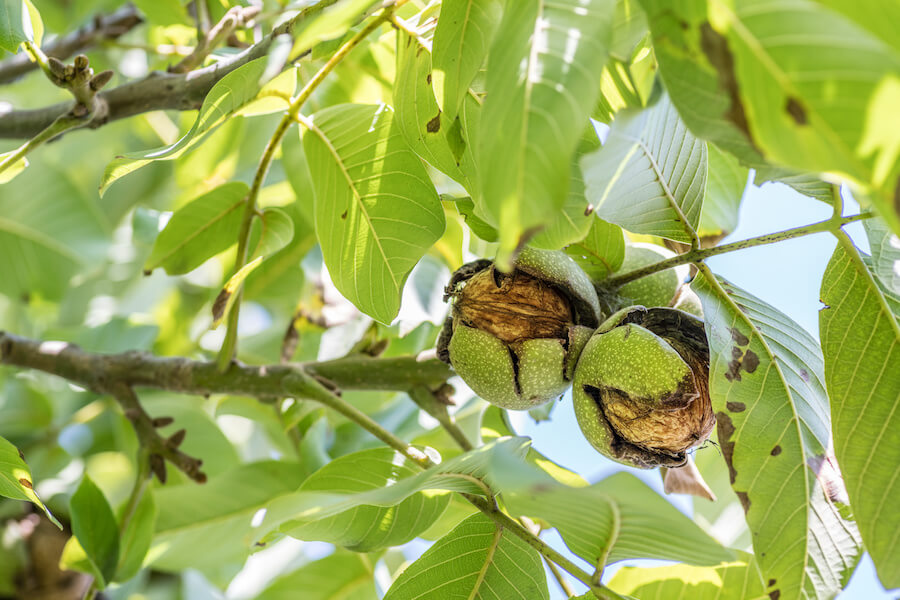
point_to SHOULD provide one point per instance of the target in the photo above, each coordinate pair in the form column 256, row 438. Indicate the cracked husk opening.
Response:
column 514, row 307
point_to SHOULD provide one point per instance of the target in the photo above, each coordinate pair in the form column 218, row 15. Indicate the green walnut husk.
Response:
column 515, row 337
column 641, row 387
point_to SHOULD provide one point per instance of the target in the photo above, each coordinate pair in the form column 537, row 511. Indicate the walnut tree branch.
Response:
column 104, row 27
column 157, row 91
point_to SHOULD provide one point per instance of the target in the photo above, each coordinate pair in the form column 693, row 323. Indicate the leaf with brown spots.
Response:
column 776, row 423
column 15, row 478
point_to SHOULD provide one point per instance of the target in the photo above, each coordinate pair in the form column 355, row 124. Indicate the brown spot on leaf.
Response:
column 344, row 215
column 715, row 46
column 775, row 452
column 25, row 483
column 588, row 210
column 796, row 110
column 736, row 352
column 745, row 500
column 828, row 474
column 771, row 583
column 739, row 338
column 734, row 371
column 804, row 375
column 221, row 301
column 775, row 594
column 428, row 79
column 725, row 431
column 21, row 455
column 736, row 406
column 434, row 125
column 751, row 361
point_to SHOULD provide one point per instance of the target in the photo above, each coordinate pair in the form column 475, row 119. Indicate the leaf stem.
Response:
column 699, row 254
column 141, row 479
column 62, row 124
column 229, row 345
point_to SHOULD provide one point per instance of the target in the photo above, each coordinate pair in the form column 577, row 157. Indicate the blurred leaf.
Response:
column 885, row 246
column 377, row 212
column 14, row 169
column 318, row 580
column 860, row 329
column 455, row 474
column 466, row 208
column 650, row 175
column 94, row 525
column 25, row 407
column 724, row 190
column 463, row 35
column 807, row 184
column 216, row 516
column 332, row 22
column 15, row 478
column 227, row 98
column 136, row 537
column 629, row 28
column 573, row 220
column 368, row 528
column 164, row 12
column 229, row 293
column 612, row 518
column 543, row 79
column 15, row 25
column 199, row 230
column 602, row 250
column 488, row 562
column 738, row 580
column 766, row 384
column 277, row 232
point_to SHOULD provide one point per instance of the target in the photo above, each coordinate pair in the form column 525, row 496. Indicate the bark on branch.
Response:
column 106, row 373
column 106, row 27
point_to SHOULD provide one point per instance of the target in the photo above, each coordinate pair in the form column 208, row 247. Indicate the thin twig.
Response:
column 235, row 18
column 431, row 402
column 229, row 344
column 62, row 124
column 700, row 254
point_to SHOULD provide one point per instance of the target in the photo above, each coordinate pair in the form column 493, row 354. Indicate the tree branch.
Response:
column 108, row 27
column 157, row 91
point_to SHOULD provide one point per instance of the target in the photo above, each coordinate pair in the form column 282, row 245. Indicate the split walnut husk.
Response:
column 515, row 337
column 641, row 387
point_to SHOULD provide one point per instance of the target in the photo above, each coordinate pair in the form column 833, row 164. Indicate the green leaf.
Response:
column 724, row 190
column 573, row 220
column 885, row 246
column 766, row 384
column 228, row 294
column 318, row 580
column 14, row 169
column 333, row 22
column 136, row 537
column 681, row 37
column 612, row 519
column 164, row 12
column 861, row 343
column 805, row 183
column 738, row 580
column 487, row 562
column 650, row 175
column 455, row 475
column 277, row 232
column 773, row 71
column 543, row 80
column 231, row 96
column 602, row 250
column 15, row 478
column 629, row 28
column 216, row 516
column 480, row 227
column 367, row 528
column 461, row 41
column 94, row 525
column 434, row 135
column 15, row 25
column 199, row 230
column 377, row 212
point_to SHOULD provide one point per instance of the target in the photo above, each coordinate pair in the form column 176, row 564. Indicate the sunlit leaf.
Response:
column 94, row 525
column 376, row 210
column 15, row 478
column 767, row 387
column 860, row 328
